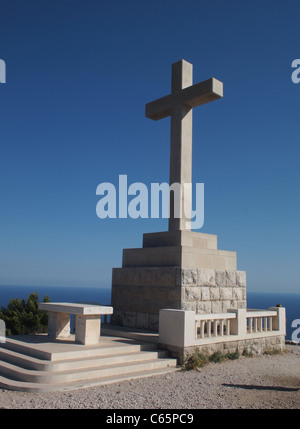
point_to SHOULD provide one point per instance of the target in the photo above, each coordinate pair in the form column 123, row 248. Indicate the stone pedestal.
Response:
column 58, row 325
column 87, row 329
column 175, row 270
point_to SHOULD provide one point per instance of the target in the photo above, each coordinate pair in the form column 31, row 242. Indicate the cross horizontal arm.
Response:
column 201, row 93
column 192, row 96
column 160, row 108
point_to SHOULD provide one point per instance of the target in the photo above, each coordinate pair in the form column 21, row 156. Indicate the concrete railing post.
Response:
column 177, row 327
column 279, row 321
column 238, row 326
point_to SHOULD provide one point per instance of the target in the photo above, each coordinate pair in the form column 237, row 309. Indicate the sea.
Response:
column 102, row 295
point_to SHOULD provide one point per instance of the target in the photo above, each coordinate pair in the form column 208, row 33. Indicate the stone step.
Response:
column 141, row 335
column 7, row 383
column 169, row 256
column 179, row 256
column 35, row 363
column 17, row 373
column 29, row 362
column 75, row 351
column 180, row 238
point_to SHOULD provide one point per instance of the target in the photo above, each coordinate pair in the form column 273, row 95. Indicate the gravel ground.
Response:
column 258, row 382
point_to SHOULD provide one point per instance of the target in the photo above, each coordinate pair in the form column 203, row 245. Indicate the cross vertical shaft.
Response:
column 179, row 104
column 181, row 145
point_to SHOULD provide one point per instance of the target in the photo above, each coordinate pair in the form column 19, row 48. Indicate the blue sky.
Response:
column 79, row 74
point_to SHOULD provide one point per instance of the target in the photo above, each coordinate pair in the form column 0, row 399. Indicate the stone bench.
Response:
column 87, row 320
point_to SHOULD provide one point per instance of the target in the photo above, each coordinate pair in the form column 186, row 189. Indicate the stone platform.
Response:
column 36, row 363
column 185, row 249
column 176, row 270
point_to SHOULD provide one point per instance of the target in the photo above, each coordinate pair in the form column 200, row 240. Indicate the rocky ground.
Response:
column 268, row 381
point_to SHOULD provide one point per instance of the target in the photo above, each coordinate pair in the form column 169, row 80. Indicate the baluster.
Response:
column 266, row 323
column 260, row 324
column 270, row 323
column 255, row 324
column 228, row 327
column 250, row 324
column 215, row 327
column 202, row 328
column 221, row 327
column 209, row 328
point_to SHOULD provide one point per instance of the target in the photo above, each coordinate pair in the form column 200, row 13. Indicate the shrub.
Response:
column 272, row 352
column 233, row 356
column 194, row 360
column 197, row 359
column 24, row 317
column 216, row 357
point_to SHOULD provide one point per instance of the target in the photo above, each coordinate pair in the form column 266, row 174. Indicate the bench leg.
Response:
column 87, row 329
column 58, row 325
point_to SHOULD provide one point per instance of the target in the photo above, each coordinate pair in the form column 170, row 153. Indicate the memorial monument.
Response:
column 178, row 268
column 179, row 284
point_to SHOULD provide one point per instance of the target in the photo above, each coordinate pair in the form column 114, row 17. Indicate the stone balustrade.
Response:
column 180, row 330
column 260, row 321
column 213, row 325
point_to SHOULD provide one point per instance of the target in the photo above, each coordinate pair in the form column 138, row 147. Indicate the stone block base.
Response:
column 175, row 270
column 139, row 293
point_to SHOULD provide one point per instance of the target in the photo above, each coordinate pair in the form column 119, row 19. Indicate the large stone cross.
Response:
column 179, row 104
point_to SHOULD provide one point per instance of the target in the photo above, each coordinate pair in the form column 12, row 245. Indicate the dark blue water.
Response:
column 56, row 293
column 291, row 302
column 258, row 300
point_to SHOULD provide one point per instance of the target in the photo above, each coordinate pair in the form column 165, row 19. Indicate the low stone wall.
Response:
column 256, row 346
